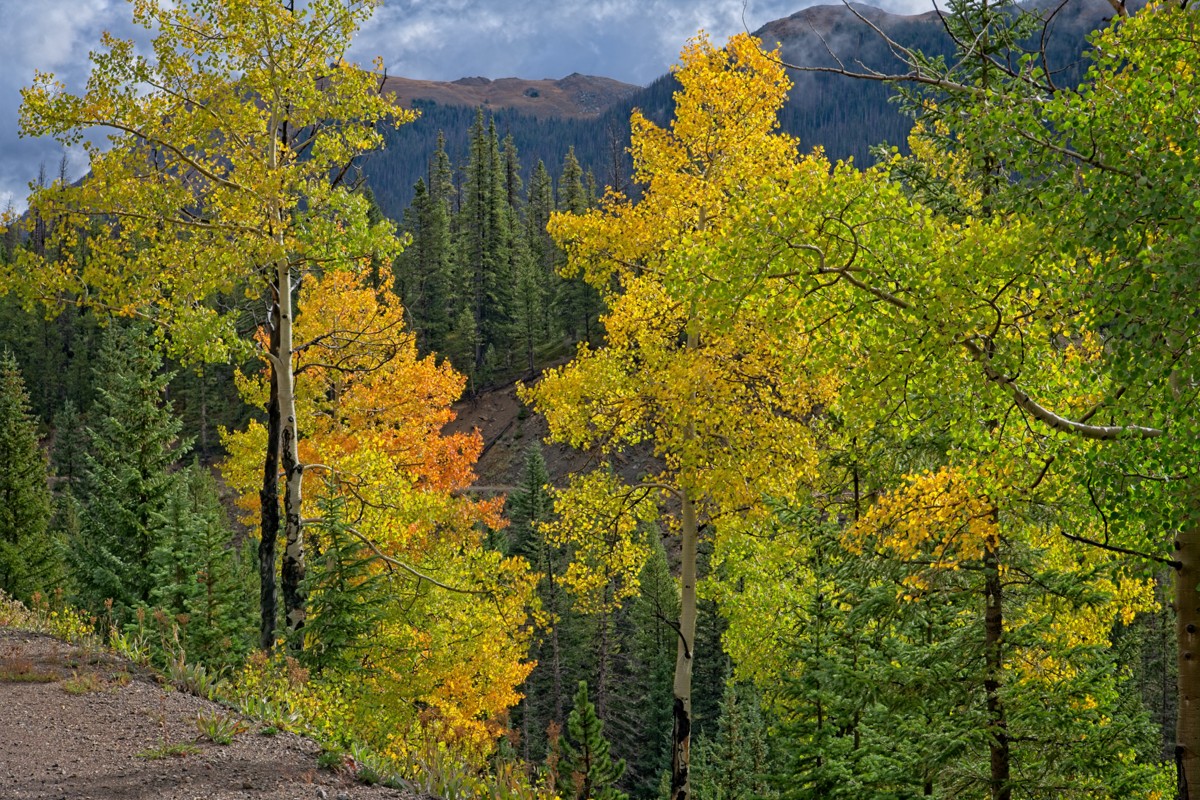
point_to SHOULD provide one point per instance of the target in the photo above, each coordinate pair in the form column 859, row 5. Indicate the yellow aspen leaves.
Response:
column 935, row 517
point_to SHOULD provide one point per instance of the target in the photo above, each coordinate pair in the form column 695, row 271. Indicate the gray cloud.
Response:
column 630, row 40
column 623, row 39
column 50, row 36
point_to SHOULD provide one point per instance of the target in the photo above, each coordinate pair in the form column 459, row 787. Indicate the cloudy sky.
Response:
column 630, row 40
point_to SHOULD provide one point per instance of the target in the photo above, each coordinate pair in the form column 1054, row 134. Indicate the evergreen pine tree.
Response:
column 524, row 296
column 200, row 578
column 440, row 255
column 345, row 593
column 511, row 164
column 30, row 559
column 736, row 763
column 423, row 268
column 485, row 233
column 587, row 771
column 461, row 345
column 529, row 307
column 528, row 505
column 544, row 253
column 543, row 701
column 424, row 272
column 580, row 302
column 70, row 447
column 647, row 691
column 133, row 441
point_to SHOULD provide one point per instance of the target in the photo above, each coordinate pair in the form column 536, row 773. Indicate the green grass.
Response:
column 86, row 683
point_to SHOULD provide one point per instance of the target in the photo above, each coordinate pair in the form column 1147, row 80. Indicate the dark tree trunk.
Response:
column 269, row 499
column 1001, row 788
column 1187, row 632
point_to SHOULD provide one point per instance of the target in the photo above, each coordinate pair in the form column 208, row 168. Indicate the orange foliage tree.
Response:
column 451, row 639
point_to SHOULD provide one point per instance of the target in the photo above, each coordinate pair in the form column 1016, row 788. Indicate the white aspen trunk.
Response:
column 681, row 734
column 289, row 457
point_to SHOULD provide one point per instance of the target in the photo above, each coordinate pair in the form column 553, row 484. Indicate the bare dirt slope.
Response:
column 509, row 428
column 56, row 745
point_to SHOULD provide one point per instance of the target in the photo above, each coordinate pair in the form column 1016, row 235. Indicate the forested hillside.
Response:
column 846, row 117
column 800, row 478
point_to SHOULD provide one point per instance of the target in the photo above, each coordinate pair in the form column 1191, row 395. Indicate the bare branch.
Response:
column 395, row 562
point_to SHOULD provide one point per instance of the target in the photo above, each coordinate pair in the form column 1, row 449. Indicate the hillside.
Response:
column 573, row 97
column 844, row 116
column 84, row 724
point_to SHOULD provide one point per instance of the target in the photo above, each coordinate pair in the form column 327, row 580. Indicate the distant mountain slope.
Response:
column 844, row 116
column 571, row 97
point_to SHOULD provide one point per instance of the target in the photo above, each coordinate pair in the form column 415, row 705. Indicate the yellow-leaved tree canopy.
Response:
column 223, row 176
column 727, row 413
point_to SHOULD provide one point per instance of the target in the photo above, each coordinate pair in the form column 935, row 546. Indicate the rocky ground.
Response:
column 78, row 724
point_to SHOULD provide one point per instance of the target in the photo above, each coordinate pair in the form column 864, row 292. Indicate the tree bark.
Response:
column 556, row 649
column 681, row 733
column 1187, row 632
column 269, row 502
column 1001, row 788
column 293, row 471
column 603, row 659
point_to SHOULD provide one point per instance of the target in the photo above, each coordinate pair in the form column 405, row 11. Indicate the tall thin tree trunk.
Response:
column 556, row 647
column 681, row 732
column 1187, row 632
column 269, row 502
column 603, row 666
column 1001, row 788
column 293, row 471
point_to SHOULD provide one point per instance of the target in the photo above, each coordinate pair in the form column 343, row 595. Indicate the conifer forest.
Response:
column 872, row 477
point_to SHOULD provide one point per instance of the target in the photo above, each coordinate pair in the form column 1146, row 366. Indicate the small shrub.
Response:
column 274, row 713
column 372, row 769
column 335, row 760
column 220, row 728
column 86, row 683
column 131, row 645
column 194, row 678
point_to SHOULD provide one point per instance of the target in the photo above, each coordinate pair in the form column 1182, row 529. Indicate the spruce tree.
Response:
column 543, row 701
column 529, row 307
column 133, row 442
column 587, row 771
column 647, row 691
column 423, row 269
column 736, row 763
column 70, row 447
column 200, row 577
column 442, row 291
column 346, row 592
column 524, row 302
column 485, row 245
column 544, row 253
column 580, row 302
column 30, row 559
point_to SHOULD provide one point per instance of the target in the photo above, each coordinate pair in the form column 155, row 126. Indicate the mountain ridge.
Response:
column 844, row 116
column 572, row 97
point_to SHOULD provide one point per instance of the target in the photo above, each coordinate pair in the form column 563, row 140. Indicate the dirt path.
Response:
column 60, row 745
